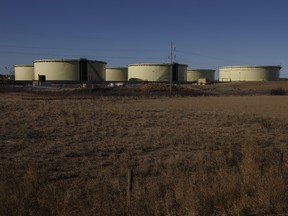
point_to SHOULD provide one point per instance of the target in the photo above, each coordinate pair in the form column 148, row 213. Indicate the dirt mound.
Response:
column 163, row 87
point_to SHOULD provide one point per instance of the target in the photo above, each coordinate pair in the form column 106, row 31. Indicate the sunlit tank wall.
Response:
column 156, row 72
column 69, row 70
column 24, row 72
column 249, row 73
column 96, row 70
column 117, row 74
column 53, row 69
column 195, row 74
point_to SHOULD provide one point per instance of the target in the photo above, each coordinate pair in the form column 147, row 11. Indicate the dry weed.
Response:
column 203, row 156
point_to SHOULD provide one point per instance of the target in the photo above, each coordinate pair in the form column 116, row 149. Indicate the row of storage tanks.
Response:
column 93, row 70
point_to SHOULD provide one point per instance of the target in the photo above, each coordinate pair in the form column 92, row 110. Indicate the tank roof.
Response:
column 156, row 64
column 252, row 66
column 116, row 67
column 66, row 60
column 24, row 65
column 193, row 69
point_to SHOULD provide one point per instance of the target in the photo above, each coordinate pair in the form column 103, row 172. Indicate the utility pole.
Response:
column 172, row 57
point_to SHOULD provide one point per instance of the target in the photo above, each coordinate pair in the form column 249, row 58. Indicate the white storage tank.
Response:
column 24, row 72
column 57, row 69
column 195, row 74
column 157, row 72
column 249, row 73
column 70, row 69
column 117, row 74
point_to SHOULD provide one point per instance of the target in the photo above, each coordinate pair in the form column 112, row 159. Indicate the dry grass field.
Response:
column 206, row 155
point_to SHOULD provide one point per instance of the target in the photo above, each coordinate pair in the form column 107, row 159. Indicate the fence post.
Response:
column 130, row 185
column 280, row 161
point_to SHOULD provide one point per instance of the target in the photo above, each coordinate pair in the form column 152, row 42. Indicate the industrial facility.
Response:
column 115, row 74
column 93, row 70
column 249, row 73
column 194, row 75
column 157, row 72
column 24, row 72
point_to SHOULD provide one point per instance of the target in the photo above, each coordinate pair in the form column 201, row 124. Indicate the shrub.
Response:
column 278, row 91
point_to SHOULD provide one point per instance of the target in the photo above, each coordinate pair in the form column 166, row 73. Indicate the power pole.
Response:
column 172, row 57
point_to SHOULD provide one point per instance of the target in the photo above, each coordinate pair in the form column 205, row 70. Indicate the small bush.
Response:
column 278, row 91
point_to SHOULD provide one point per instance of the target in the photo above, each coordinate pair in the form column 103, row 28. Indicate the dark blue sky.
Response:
column 206, row 33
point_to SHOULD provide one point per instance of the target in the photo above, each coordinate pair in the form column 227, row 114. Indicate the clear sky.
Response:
column 207, row 33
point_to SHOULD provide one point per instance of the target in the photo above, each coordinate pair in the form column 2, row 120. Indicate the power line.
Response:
column 84, row 49
column 77, row 55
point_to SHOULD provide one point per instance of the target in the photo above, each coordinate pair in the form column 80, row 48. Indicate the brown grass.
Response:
column 189, row 156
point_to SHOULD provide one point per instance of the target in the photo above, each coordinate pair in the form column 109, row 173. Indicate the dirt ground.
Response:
column 74, row 141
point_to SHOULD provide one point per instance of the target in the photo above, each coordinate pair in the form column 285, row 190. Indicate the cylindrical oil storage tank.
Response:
column 117, row 74
column 57, row 69
column 249, row 73
column 157, row 72
column 70, row 69
column 24, row 72
column 195, row 74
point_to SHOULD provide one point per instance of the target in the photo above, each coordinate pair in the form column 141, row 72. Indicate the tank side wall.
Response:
column 224, row 75
column 258, row 74
column 194, row 75
column 249, row 74
column 96, row 71
column 68, row 71
column 24, row 73
column 182, row 73
column 117, row 74
column 149, row 73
